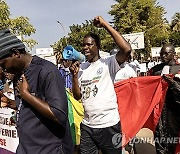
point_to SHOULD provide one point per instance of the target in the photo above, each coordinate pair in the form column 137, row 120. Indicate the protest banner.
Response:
column 8, row 134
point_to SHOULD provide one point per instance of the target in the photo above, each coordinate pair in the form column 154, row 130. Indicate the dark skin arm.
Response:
column 124, row 46
column 168, row 79
column 74, row 68
column 40, row 105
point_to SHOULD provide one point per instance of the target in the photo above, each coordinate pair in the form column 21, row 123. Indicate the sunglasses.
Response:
column 166, row 53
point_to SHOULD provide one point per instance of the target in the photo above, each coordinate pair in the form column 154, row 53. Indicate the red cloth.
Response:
column 178, row 147
column 140, row 102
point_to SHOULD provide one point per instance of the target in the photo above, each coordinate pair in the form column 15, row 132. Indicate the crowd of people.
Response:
column 41, row 103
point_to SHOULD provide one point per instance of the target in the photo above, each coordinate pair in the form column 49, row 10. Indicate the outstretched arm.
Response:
column 124, row 46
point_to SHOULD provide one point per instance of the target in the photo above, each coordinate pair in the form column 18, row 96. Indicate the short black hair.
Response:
column 168, row 45
column 95, row 37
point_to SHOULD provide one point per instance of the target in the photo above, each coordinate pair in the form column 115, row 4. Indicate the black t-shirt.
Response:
column 38, row 134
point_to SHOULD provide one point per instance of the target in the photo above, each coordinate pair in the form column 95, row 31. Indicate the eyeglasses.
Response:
column 165, row 53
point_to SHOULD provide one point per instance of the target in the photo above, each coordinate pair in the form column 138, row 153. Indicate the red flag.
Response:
column 140, row 102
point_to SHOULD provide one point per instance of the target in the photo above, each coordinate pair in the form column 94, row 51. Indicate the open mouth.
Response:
column 87, row 54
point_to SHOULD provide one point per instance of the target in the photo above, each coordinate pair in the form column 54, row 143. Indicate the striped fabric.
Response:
column 75, row 115
column 9, row 41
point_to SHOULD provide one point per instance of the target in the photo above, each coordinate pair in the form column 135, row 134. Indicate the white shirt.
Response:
column 135, row 65
column 98, row 94
column 125, row 73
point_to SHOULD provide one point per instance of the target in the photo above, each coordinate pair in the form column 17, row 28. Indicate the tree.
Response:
column 175, row 30
column 132, row 16
column 20, row 26
column 129, row 16
column 175, row 24
column 4, row 15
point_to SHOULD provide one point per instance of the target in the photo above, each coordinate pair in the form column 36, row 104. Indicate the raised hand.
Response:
column 99, row 22
column 168, row 79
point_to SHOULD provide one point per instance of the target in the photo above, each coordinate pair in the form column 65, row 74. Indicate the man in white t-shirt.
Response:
column 125, row 73
column 93, row 83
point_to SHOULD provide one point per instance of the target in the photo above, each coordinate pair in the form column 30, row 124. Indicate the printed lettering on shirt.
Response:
column 89, row 87
column 87, row 92
column 86, row 87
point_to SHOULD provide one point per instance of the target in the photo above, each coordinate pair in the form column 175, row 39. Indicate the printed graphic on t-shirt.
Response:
column 99, row 71
column 89, row 87
column 87, row 92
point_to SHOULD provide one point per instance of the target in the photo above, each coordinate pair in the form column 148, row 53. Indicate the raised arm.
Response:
column 124, row 46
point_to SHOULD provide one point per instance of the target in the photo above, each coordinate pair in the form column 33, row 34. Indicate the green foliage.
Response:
column 30, row 42
column 175, row 30
column 4, row 15
column 60, row 45
column 132, row 16
column 175, row 38
column 19, row 26
column 175, row 24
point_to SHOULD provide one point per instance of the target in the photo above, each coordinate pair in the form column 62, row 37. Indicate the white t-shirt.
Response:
column 135, row 65
column 98, row 94
column 125, row 73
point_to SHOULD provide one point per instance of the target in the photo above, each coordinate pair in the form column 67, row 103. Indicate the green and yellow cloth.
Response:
column 75, row 115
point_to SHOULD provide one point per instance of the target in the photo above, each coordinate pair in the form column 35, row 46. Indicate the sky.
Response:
column 44, row 14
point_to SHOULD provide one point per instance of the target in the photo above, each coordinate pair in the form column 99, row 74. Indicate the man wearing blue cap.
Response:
column 41, row 103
